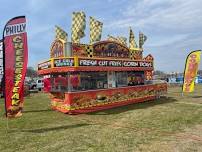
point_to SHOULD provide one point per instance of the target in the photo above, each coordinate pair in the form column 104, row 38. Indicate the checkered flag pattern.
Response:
column 142, row 39
column 111, row 38
column 89, row 50
column 132, row 54
column 122, row 40
column 132, row 43
column 78, row 26
column 95, row 30
column 60, row 33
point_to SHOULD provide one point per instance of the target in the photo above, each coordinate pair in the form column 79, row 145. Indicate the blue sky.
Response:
column 173, row 27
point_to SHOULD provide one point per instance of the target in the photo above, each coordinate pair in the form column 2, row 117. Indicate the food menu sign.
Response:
column 86, row 62
column 96, row 62
column 64, row 62
column 114, row 63
column 44, row 65
column 137, row 64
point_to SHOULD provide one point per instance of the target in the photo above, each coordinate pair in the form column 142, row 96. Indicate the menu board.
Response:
column 44, row 65
column 88, row 62
column 114, row 63
column 64, row 62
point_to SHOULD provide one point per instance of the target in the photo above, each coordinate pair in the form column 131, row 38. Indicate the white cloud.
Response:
column 164, row 41
column 36, row 5
column 173, row 27
column 170, row 14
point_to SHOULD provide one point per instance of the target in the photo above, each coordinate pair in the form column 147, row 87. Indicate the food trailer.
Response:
column 83, row 78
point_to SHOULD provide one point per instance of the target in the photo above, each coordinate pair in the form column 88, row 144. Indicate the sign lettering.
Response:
column 63, row 62
column 114, row 63
column 15, row 29
column 44, row 65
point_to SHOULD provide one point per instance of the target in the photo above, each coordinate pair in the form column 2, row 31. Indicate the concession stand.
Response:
column 82, row 78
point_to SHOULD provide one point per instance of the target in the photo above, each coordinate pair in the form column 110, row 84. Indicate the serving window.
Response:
column 121, row 79
column 81, row 81
column 135, row 78
column 88, row 81
column 57, row 83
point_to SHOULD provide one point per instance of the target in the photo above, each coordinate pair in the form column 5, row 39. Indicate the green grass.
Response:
column 161, row 125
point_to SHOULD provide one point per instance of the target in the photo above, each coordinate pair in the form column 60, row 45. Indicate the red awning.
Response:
column 87, row 68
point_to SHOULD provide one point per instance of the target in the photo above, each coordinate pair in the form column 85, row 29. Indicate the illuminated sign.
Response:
column 44, row 65
column 63, row 62
column 85, row 62
column 137, row 64
column 114, row 63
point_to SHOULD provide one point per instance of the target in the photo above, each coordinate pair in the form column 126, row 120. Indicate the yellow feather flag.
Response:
column 191, row 69
column 95, row 30
column 132, row 42
column 78, row 26
column 60, row 33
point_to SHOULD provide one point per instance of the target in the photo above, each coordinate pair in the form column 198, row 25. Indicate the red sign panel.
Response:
column 110, row 49
column 16, row 56
column 57, row 49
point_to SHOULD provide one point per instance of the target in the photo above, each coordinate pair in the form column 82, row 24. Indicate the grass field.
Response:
column 169, row 124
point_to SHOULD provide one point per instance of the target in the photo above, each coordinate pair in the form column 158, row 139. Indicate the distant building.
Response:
column 180, row 79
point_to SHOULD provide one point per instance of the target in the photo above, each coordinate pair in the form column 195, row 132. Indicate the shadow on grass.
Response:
column 197, row 97
column 40, row 110
column 42, row 130
column 142, row 105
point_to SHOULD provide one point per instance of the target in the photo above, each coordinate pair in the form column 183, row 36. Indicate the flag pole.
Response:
column 4, row 85
column 182, row 93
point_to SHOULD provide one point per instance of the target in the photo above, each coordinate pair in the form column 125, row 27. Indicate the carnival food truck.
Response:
column 103, row 74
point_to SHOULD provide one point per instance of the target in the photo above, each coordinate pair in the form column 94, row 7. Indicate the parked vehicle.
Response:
column 40, row 84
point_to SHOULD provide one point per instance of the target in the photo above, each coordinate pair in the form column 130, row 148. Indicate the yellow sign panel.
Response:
column 191, row 69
